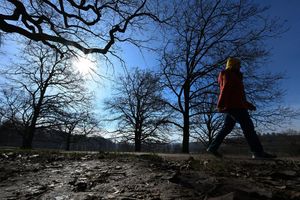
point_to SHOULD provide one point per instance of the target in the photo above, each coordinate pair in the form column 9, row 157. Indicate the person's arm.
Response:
column 248, row 104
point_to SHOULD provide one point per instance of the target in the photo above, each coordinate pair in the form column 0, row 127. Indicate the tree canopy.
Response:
column 91, row 26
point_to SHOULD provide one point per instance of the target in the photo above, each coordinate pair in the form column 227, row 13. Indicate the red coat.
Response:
column 232, row 93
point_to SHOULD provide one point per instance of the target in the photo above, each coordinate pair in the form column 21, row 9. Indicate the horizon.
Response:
column 283, row 58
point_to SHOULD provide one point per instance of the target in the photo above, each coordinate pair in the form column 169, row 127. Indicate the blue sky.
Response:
column 285, row 55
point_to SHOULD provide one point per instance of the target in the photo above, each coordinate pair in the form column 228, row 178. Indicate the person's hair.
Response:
column 233, row 63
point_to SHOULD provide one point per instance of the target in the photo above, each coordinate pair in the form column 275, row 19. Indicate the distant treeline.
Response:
column 54, row 139
column 285, row 144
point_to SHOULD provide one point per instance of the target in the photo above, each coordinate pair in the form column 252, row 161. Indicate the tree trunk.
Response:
column 68, row 142
column 186, row 134
column 29, row 133
column 186, row 119
column 137, row 141
column 28, row 138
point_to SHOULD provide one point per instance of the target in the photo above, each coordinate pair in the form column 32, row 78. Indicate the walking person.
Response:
column 232, row 102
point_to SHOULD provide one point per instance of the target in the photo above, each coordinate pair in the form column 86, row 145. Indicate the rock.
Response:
column 205, row 163
column 92, row 197
column 5, row 156
column 229, row 196
column 281, row 187
column 286, row 174
column 34, row 156
column 87, row 157
column 35, row 190
column 80, row 187
column 80, row 184
column 63, row 197
column 10, row 153
column 118, row 167
column 289, row 173
column 239, row 195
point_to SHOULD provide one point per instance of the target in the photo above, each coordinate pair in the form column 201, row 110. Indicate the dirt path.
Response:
column 145, row 176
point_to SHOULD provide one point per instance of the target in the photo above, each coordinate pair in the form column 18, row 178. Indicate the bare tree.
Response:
column 206, row 125
column 75, row 124
column 203, row 35
column 265, row 91
column 36, row 95
column 91, row 26
column 139, row 109
column 13, row 105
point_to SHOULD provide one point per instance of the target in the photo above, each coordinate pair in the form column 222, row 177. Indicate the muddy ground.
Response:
column 59, row 176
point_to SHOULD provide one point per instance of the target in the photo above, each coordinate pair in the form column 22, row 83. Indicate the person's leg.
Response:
column 229, row 123
column 243, row 118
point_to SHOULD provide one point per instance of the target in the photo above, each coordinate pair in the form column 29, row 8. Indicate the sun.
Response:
column 84, row 65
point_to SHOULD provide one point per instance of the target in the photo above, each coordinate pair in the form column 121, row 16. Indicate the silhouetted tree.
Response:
column 139, row 109
column 14, row 105
column 203, row 34
column 265, row 91
column 38, row 94
column 90, row 26
column 73, row 125
column 206, row 125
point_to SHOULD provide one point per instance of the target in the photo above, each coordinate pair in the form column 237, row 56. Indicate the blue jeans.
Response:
column 243, row 118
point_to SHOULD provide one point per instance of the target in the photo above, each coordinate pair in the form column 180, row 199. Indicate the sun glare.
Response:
column 84, row 65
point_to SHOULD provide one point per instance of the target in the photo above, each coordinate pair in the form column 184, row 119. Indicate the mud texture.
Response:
column 59, row 176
